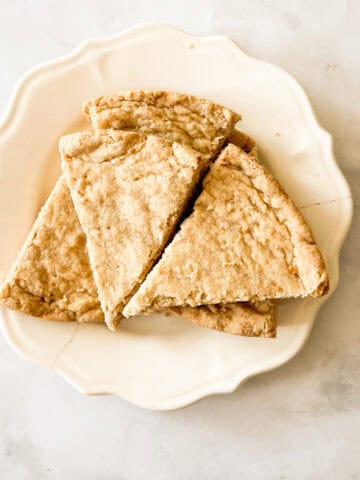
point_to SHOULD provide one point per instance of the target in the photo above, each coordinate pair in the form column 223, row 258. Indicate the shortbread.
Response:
column 129, row 191
column 51, row 277
column 242, row 318
column 182, row 118
column 247, row 241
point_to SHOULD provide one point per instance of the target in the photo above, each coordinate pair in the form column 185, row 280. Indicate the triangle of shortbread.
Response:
column 197, row 122
column 129, row 191
column 245, row 240
column 51, row 277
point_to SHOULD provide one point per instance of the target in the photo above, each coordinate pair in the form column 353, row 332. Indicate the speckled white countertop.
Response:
column 301, row 421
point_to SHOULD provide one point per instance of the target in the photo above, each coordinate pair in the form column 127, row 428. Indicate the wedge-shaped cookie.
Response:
column 193, row 121
column 51, row 276
column 242, row 318
column 129, row 191
column 250, row 319
column 246, row 240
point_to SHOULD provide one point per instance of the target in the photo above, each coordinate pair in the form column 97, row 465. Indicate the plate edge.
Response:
column 10, row 116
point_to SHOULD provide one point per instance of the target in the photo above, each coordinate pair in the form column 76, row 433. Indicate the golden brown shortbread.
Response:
column 158, row 113
column 250, row 319
column 242, row 318
column 129, row 191
column 57, row 231
column 247, row 240
column 182, row 118
column 75, row 298
column 51, row 277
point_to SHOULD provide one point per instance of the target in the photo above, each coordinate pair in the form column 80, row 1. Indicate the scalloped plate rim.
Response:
column 235, row 379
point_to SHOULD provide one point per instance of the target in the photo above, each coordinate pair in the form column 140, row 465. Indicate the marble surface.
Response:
column 301, row 421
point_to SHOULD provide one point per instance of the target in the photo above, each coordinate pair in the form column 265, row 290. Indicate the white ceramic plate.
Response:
column 163, row 362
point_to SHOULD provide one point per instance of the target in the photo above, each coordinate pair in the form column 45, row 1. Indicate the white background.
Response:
column 301, row 421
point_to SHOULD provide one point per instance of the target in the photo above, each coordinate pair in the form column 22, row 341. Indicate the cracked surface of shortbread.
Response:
column 247, row 241
column 199, row 123
column 51, row 277
column 129, row 191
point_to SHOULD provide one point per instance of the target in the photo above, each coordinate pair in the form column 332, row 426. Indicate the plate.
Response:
column 163, row 362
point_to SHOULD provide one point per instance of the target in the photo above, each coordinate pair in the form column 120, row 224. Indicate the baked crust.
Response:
column 51, row 277
column 189, row 120
column 129, row 191
column 247, row 241
column 245, row 318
